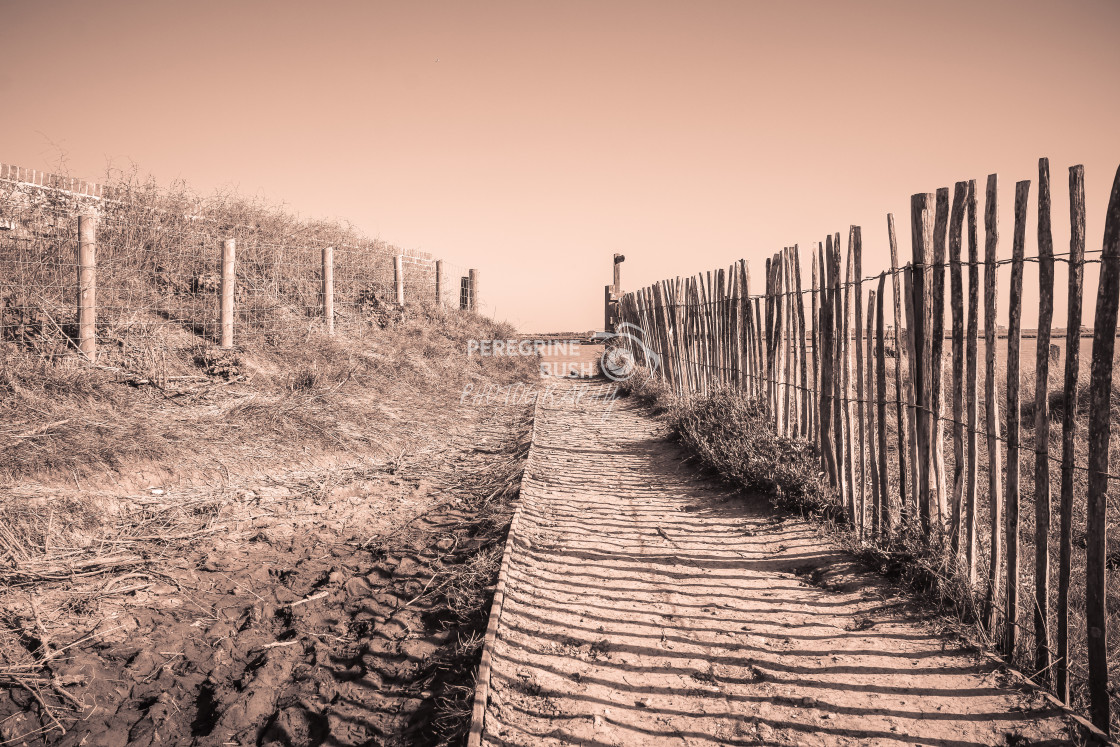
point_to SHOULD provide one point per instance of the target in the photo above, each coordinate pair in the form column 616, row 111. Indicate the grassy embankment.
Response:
column 124, row 466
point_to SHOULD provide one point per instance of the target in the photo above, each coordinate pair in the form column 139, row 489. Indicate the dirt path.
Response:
column 333, row 607
column 646, row 605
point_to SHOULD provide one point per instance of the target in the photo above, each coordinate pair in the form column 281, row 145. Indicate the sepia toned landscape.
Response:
column 559, row 374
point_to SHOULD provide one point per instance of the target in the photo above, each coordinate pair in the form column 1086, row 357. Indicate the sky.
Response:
column 533, row 140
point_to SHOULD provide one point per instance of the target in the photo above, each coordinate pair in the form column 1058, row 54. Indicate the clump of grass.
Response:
column 732, row 435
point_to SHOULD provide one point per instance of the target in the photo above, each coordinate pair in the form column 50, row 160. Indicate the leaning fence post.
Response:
column 87, row 285
column 1100, row 435
column 328, row 287
column 229, row 279
column 398, row 277
column 473, row 274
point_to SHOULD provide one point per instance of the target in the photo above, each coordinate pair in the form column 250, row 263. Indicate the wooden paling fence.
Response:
column 864, row 380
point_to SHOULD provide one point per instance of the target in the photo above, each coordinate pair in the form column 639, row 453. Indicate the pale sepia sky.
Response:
column 532, row 140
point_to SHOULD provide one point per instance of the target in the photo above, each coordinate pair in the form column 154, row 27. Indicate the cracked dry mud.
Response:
column 647, row 605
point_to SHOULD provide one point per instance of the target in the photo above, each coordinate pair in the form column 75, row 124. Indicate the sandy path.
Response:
column 646, row 605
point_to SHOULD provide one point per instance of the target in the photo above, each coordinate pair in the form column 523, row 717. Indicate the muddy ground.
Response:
column 328, row 606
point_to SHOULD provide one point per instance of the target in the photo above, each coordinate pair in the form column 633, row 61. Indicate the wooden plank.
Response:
column 970, row 372
column 991, row 404
column 881, row 404
column 1011, row 484
column 1100, row 436
column 936, row 367
column 1069, row 422
column 1042, row 508
column 901, row 395
column 860, row 430
column 868, row 413
column 956, row 300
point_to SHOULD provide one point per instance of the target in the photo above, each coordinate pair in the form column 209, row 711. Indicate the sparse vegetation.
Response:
column 167, row 459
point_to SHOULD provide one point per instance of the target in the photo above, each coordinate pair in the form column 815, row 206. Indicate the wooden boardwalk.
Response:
column 643, row 604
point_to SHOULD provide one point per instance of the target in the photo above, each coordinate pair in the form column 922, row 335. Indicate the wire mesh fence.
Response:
column 159, row 268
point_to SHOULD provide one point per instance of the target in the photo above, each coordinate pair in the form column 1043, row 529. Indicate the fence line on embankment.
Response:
column 824, row 376
column 82, row 262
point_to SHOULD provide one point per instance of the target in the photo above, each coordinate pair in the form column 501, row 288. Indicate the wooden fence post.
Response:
column 846, row 385
column 956, row 297
column 229, row 283
column 861, row 424
column 1011, row 487
column 475, row 294
column 328, row 287
column 836, row 357
column 971, row 379
column 87, row 286
column 881, row 385
column 814, row 322
column 899, row 397
column 867, row 422
column 991, row 403
column 439, row 282
column 921, row 237
column 398, row 278
column 936, row 331
column 804, row 393
column 787, row 328
column 827, row 368
column 1069, row 420
column 913, row 356
column 1042, row 507
column 1100, row 416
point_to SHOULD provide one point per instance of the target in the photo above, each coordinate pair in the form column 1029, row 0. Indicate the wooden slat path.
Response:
column 646, row 605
